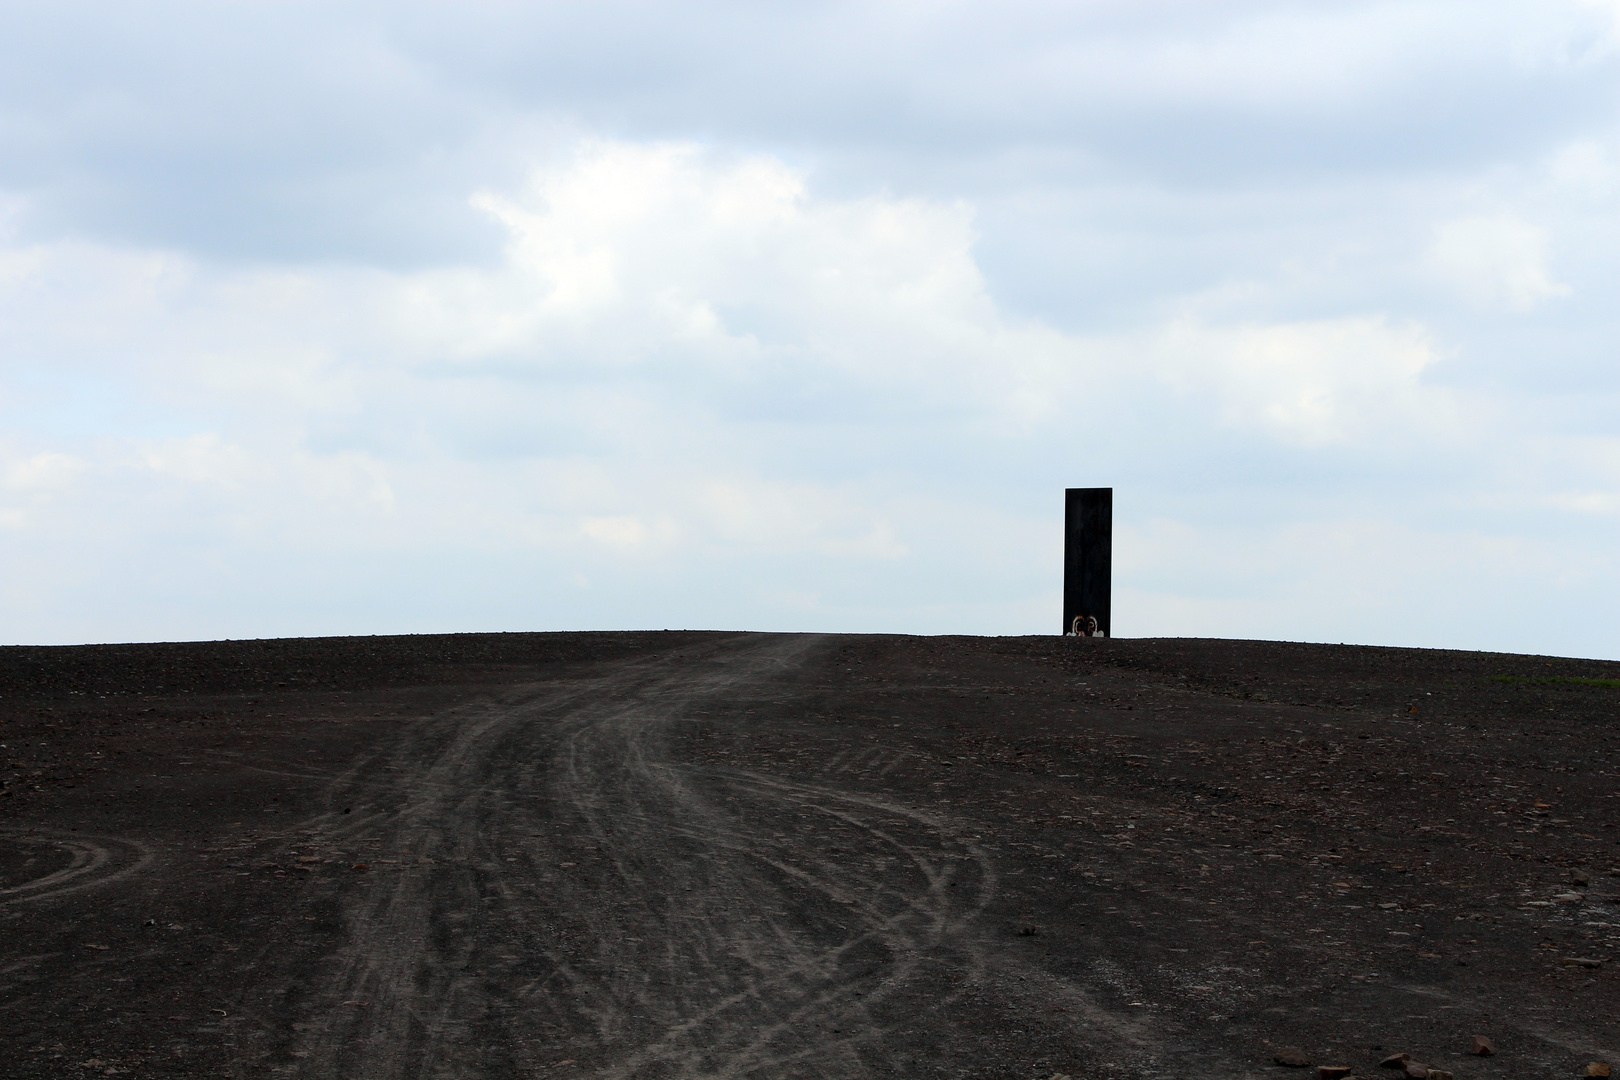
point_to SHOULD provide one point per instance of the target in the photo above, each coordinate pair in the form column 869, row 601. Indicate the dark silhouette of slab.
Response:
column 1088, row 547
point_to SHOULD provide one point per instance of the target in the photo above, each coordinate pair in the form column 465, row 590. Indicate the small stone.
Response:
column 1440, row 1074
column 1395, row 1061
column 1569, row 898
column 1415, row 1071
column 1598, row 1068
column 1580, row 878
column 1333, row 1072
column 1482, row 1046
column 1293, row 1057
column 1583, row 961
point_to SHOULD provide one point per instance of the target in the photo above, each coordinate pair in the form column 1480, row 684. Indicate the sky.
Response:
column 366, row 318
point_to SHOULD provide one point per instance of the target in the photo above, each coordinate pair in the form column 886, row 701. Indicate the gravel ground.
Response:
column 707, row 854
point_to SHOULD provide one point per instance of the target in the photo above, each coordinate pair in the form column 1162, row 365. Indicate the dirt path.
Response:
column 539, row 882
column 569, row 893
column 567, row 889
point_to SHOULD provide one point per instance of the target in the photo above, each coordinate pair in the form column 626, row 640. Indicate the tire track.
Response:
column 96, row 861
column 590, row 899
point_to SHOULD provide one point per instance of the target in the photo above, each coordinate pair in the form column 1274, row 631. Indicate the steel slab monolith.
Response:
column 1088, row 547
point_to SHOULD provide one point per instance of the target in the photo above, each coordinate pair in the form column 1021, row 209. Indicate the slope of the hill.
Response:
column 688, row 854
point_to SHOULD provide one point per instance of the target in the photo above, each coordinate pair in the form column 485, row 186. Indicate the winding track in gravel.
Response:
column 569, row 884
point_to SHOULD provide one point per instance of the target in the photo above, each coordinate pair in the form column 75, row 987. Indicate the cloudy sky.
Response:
column 394, row 317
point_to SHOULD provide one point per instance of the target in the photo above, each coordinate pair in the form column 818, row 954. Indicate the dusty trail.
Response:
column 568, row 890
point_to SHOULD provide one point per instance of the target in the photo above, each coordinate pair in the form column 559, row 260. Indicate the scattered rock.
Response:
column 1583, row 961
column 1598, row 1068
column 1482, row 1046
column 1027, row 931
column 1580, row 878
column 1440, row 1074
column 1569, row 898
column 1395, row 1061
column 1416, row 1071
column 1333, row 1072
column 1293, row 1057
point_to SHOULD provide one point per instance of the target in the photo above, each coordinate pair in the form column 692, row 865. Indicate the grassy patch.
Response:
column 1551, row 680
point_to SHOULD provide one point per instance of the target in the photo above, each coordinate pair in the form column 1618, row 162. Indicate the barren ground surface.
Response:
column 741, row 855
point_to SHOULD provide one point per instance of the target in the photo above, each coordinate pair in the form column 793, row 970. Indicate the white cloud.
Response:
column 622, row 385
column 44, row 471
column 667, row 259
column 1611, row 8
column 627, row 533
column 1588, row 502
column 1310, row 384
column 791, row 518
column 1495, row 261
column 1587, row 168
column 686, row 360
